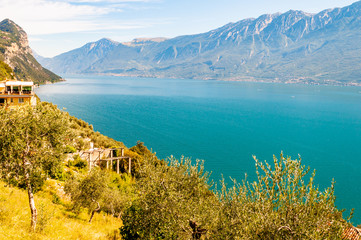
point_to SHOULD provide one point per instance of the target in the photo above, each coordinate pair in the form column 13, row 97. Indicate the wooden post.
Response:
column 99, row 158
column 118, row 166
column 122, row 153
column 111, row 161
column 90, row 162
column 130, row 166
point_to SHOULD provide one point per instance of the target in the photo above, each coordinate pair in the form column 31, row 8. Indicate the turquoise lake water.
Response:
column 225, row 123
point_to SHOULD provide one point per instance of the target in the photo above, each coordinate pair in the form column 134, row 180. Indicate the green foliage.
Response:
column 37, row 74
column 79, row 163
column 11, row 30
column 70, row 149
column 37, row 179
column 88, row 191
column 142, row 150
column 279, row 205
column 171, row 196
column 170, row 199
column 175, row 202
column 31, row 143
column 138, row 154
column 100, row 190
column 5, row 71
column 31, row 140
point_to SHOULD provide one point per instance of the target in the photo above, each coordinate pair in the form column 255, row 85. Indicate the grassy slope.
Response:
column 55, row 221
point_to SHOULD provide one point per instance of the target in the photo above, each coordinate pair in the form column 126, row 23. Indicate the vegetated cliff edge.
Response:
column 295, row 46
column 15, row 51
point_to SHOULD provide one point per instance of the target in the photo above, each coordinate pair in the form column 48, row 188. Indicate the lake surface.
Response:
column 225, row 123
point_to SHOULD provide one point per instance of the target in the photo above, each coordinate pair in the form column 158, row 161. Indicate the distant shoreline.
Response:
column 248, row 79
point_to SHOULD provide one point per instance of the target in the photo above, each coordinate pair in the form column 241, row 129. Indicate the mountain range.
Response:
column 322, row 48
column 16, row 57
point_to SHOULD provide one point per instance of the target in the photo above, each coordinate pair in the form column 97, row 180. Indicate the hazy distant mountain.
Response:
column 81, row 58
column 293, row 46
column 15, row 51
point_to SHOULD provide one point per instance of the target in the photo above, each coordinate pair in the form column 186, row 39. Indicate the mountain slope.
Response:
column 289, row 47
column 15, row 51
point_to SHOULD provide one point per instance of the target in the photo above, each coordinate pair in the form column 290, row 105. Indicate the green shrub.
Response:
column 171, row 196
column 70, row 149
column 175, row 202
column 78, row 162
column 81, row 144
column 100, row 191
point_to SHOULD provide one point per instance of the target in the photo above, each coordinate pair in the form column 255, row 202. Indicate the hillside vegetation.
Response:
column 55, row 220
column 5, row 71
column 162, row 199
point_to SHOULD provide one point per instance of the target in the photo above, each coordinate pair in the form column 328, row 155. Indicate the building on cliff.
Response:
column 14, row 94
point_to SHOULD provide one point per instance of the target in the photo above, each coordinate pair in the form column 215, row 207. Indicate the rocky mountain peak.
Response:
column 290, row 46
column 144, row 41
column 102, row 43
column 8, row 27
column 15, row 51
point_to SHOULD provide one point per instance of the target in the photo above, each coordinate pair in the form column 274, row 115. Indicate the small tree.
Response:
column 87, row 192
column 31, row 143
column 98, row 190
column 174, row 202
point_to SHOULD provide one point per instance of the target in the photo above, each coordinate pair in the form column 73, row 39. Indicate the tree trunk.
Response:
column 33, row 210
column 94, row 211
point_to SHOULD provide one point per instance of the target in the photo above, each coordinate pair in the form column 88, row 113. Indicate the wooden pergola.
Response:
column 97, row 153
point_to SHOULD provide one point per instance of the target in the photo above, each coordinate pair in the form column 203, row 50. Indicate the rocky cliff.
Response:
column 15, row 51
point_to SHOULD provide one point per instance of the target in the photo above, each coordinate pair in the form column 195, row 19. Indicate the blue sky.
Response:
column 57, row 26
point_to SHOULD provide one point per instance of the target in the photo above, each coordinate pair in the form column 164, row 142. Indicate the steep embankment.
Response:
column 15, row 51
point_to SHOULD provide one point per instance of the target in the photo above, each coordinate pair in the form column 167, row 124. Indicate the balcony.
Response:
column 27, row 92
column 18, row 92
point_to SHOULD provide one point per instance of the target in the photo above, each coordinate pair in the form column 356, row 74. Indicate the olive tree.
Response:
column 31, row 144
column 87, row 191
column 281, row 204
column 98, row 190
column 174, row 202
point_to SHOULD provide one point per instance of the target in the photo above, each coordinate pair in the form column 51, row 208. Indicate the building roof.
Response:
column 2, row 85
column 18, row 83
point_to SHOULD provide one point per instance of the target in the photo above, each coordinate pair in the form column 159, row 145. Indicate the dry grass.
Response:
column 55, row 221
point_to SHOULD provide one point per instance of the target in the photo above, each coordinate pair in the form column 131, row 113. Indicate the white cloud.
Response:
column 111, row 1
column 48, row 10
column 54, row 27
column 58, row 16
